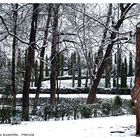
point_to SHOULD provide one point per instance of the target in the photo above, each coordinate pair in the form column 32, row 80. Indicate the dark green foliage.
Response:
column 115, row 59
column 76, row 108
column 73, row 64
column 6, row 114
column 79, row 70
column 117, row 106
column 69, row 67
column 48, row 112
column 124, row 74
column 86, row 80
column 119, row 57
column 114, row 77
column 86, row 111
column 106, row 108
column 130, row 71
column 61, row 64
column 108, row 73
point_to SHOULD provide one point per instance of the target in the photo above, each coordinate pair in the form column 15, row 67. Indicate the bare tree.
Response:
column 42, row 53
column 14, row 45
column 30, row 62
column 124, row 9
column 55, row 41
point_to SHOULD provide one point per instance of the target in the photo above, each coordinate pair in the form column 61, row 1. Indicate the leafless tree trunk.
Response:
column 135, row 94
column 53, row 73
column 92, row 93
column 15, row 15
column 29, row 64
column 42, row 53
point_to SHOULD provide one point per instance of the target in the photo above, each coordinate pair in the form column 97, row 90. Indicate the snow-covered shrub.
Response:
column 86, row 111
column 117, row 106
column 48, row 112
column 5, row 114
column 106, row 107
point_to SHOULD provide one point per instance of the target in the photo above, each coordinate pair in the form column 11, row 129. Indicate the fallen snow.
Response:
column 86, row 129
column 78, row 96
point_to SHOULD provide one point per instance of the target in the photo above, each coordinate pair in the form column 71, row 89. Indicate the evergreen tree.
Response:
column 70, row 64
column 115, row 58
column 86, row 80
column 130, row 71
column 108, row 71
column 114, row 77
column 119, row 62
column 123, row 75
column 125, row 62
column 79, row 70
column 61, row 64
column 73, row 64
column 46, row 67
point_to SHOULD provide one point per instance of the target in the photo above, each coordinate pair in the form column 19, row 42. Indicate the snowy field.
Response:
column 121, row 127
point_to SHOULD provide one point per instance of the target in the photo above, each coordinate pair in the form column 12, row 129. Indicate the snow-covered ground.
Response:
column 87, row 129
column 68, row 83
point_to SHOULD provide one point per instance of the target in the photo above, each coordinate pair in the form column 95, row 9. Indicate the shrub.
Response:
column 86, row 111
column 117, row 106
column 106, row 108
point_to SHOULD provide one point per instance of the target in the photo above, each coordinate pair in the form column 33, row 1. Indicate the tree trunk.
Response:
column 29, row 64
column 15, row 15
column 53, row 73
column 42, row 53
column 135, row 94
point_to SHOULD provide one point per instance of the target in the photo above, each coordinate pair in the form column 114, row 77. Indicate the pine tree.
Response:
column 130, row 71
column 79, row 70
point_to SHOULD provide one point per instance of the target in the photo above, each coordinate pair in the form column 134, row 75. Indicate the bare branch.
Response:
column 22, row 41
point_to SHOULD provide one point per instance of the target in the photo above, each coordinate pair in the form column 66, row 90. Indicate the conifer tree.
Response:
column 61, row 64
column 123, row 75
column 73, row 64
column 46, row 67
column 79, row 70
column 114, row 77
column 108, row 71
column 130, row 70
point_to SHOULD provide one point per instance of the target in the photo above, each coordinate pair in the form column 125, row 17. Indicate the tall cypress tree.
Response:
column 79, row 70
column 123, row 75
column 73, row 66
column 108, row 71
column 114, row 77
column 130, row 70
column 46, row 67
column 61, row 64
column 119, row 63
